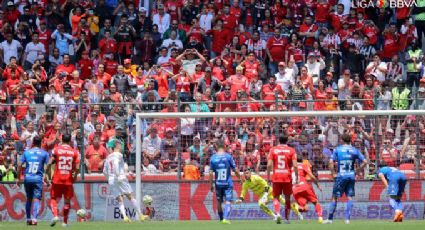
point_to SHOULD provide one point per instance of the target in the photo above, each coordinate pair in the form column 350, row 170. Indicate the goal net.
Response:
column 179, row 144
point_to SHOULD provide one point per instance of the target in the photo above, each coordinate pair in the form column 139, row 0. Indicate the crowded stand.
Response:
column 86, row 67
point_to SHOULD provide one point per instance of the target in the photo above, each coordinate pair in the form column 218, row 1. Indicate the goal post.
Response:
column 142, row 117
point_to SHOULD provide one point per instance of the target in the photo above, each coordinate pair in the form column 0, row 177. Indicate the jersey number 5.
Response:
column 65, row 163
column 281, row 162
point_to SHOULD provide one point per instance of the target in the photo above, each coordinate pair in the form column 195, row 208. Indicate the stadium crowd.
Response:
column 87, row 66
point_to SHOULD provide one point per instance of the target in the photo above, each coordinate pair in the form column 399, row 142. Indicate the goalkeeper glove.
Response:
column 239, row 200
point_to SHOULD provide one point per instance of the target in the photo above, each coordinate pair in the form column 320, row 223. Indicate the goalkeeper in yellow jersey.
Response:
column 261, row 188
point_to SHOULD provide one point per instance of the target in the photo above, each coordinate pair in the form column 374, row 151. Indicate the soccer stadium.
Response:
column 238, row 114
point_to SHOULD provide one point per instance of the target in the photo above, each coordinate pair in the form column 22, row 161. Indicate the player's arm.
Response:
column 76, row 166
column 243, row 192
column 332, row 167
column 49, row 168
column 75, row 172
column 269, row 168
column 332, row 163
column 314, row 179
column 383, row 179
column 19, row 170
column 363, row 160
column 45, row 164
column 295, row 164
column 211, row 179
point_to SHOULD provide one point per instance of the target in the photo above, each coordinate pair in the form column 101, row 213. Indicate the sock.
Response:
column 136, row 206
column 66, row 208
column 393, row 203
column 266, row 210
column 348, row 209
column 276, row 205
column 399, row 205
column 226, row 211
column 319, row 210
column 54, row 207
column 220, row 215
column 287, row 209
column 28, row 209
column 332, row 208
column 36, row 208
column 122, row 209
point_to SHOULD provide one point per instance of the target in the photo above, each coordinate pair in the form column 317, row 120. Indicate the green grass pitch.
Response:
column 215, row 225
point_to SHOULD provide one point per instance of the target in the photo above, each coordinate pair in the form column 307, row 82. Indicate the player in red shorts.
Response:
column 66, row 160
column 281, row 159
column 303, row 191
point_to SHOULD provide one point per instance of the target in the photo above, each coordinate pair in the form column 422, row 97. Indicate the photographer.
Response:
column 173, row 42
column 125, row 35
column 189, row 61
column 314, row 65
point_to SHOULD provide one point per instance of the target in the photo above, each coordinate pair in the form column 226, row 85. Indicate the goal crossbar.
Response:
column 140, row 116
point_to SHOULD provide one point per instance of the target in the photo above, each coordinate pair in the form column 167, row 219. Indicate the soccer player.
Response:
column 395, row 181
column 281, row 159
column 66, row 160
column 345, row 156
column 221, row 165
column 116, row 172
column 303, row 191
column 261, row 188
column 35, row 161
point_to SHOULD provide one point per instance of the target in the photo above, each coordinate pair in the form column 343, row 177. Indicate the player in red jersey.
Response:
column 303, row 191
column 281, row 159
column 66, row 160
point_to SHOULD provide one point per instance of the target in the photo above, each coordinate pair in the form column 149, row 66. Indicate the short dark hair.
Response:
column 66, row 138
column 346, row 138
column 36, row 141
column 283, row 139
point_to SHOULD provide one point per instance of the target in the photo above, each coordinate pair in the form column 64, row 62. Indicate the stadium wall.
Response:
column 194, row 201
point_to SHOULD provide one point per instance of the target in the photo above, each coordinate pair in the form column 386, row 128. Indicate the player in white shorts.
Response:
column 115, row 171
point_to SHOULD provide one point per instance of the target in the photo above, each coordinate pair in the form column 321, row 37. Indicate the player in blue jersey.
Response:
column 221, row 165
column 35, row 160
column 345, row 156
column 395, row 181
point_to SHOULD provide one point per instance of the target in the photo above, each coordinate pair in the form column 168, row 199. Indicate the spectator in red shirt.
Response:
column 85, row 65
column 230, row 22
column 391, row 42
column 338, row 18
column 219, row 39
column 238, row 81
column 276, row 50
column 322, row 13
column 308, row 31
column 270, row 91
column 66, row 67
column 12, row 14
column 107, row 45
column 22, row 107
column 226, row 96
column 12, row 66
column 95, row 156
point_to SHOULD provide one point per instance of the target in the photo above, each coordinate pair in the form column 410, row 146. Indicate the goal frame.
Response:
column 140, row 116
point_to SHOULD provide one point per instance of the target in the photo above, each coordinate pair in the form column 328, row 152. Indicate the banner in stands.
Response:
column 194, row 201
